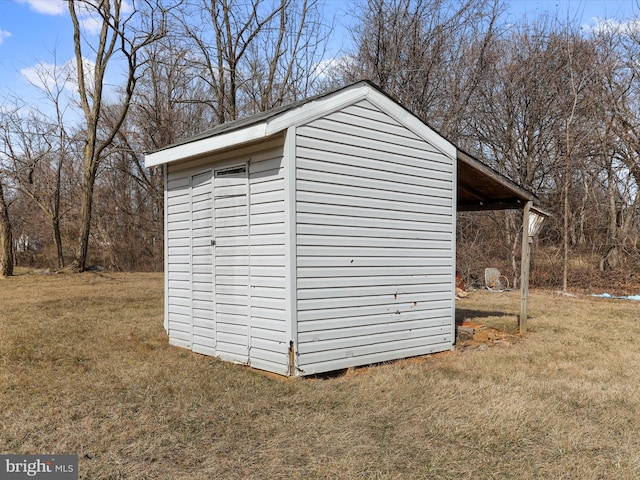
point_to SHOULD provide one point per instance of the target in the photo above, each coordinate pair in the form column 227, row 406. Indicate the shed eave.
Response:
column 266, row 124
column 317, row 108
column 482, row 188
column 205, row 146
column 272, row 124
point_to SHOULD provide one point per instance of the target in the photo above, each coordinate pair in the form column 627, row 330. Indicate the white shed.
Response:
column 317, row 236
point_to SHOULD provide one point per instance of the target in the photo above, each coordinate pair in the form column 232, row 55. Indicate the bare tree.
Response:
column 6, row 238
column 428, row 54
column 121, row 39
column 576, row 109
column 171, row 100
column 36, row 153
column 618, row 137
column 255, row 54
column 289, row 70
column 169, row 105
column 38, row 144
column 515, row 114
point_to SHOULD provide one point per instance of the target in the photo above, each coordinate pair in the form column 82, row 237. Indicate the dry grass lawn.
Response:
column 85, row 368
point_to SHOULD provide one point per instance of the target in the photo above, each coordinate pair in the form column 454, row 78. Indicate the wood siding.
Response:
column 228, row 299
column 375, row 241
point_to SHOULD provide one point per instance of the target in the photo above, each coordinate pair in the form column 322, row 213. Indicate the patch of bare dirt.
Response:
column 482, row 337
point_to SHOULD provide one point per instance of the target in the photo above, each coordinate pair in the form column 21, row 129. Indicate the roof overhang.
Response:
column 269, row 123
column 482, row 188
column 479, row 186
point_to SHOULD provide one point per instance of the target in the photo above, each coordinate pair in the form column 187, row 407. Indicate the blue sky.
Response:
column 28, row 37
column 34, row 32
column 583, row 10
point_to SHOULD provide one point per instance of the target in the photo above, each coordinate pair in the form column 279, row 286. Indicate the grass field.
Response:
column 85, row 368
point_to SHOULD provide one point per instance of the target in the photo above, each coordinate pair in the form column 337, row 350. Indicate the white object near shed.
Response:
column 313, row 237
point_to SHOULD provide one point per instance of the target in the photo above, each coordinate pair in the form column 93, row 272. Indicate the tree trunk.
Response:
column 112, row 41
column 6, row 240
column 565, row 227
column 57, row 239
column 85, row 215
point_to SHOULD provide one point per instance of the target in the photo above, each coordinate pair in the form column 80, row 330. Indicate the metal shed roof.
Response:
column 479, row 187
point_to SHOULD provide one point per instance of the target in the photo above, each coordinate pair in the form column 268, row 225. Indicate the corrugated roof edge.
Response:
column 263, row 116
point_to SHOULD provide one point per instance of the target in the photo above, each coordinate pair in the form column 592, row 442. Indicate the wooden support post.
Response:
column 524, row 269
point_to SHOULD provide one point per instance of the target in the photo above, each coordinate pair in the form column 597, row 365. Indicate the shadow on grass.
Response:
column 463, row 314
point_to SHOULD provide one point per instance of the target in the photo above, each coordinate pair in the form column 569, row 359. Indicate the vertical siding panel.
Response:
column 178, row 265
column 267, row 277
column 231, row 230
column 189, row 269
column 233, row 306
column 375, row 241
column 290, row 248
column 202, row 304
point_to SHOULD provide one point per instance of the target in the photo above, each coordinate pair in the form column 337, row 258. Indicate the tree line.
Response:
column 549, row 103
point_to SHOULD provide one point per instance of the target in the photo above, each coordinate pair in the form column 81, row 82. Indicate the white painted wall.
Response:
column 340, row 238
column 268, row 275
column 375, row 241
column 229, row 299
column 178, row 267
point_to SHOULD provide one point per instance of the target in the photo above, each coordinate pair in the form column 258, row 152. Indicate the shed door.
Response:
column 231, row 262
column 204, row 335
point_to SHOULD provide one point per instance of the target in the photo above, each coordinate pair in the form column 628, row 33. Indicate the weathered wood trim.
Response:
column 496, row 177
column 483, row 206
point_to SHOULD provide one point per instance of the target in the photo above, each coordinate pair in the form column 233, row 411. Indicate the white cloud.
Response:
column 127, row 7
column 332, row 66
column 90, row 24
column 90, row 21
column 47, row 7
column 4, row 34
column 323, row 66
column 50, row 77
column 6, row 109
column 46, row 76
column 613, row 26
